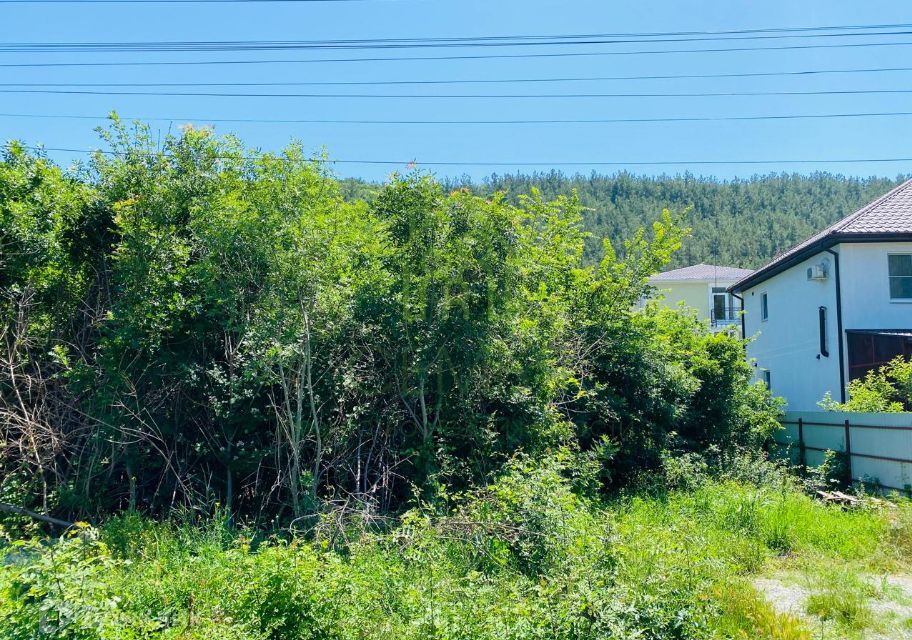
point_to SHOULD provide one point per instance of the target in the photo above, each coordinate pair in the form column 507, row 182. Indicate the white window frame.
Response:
column 727, row 305
column 764, row 306
column 889, row 277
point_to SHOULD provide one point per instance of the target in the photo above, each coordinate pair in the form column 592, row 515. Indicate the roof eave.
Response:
column 805, row 252
column 896, row 236
column 694, row 281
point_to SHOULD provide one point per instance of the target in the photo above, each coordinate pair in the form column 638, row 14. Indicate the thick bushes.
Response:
column 195, row 324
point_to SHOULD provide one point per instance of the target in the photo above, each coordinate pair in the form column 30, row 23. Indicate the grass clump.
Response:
column 746, row 615
column 848, row 608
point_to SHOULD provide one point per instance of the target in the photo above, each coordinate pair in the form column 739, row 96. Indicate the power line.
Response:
column 416, row 43
column 810, row 116
column 687, row 76
column 563, row 54
column 498, row 96
column 166, row 1
column 647, row 34
column 458, row 163
column 811, row 30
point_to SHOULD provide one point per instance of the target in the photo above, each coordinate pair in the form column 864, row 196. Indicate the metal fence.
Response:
column 878, row 446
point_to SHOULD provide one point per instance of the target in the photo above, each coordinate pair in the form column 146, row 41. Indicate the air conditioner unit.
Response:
column 817, row 272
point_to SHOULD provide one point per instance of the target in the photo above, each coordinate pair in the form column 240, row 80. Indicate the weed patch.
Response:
column 523, row 558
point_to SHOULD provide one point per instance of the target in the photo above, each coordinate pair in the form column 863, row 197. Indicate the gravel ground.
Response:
column 893, row 609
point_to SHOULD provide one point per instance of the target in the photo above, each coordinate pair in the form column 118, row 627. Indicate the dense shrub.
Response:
column 192, row 324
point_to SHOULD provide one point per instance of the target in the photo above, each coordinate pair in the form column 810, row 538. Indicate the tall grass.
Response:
column 671, row 566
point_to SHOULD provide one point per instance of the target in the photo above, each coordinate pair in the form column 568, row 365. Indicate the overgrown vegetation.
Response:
column 194, row 323
column 887, row 389
column 528, row 556
column 293, row 413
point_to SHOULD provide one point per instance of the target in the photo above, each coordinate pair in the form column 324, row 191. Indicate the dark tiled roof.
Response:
column 890, row 214
column 702, row 272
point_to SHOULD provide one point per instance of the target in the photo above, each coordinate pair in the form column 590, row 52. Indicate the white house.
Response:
column 703, row 287
column 836, row 306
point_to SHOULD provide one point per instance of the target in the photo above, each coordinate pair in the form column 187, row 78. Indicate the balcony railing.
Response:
column 724, row 315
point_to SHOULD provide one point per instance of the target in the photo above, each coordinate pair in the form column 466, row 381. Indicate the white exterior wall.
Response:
column 788, row 342
column 865, row 287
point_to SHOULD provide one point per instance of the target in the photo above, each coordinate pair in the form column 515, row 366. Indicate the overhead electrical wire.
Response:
column 520, row 163
column 855, row 31
column 496, row 96
column 168, row 1
column 811, row 116
column 562, row 54
column 519, row 40
column 625, row 34
column 812, row 31
column 686, row 76
column 319, row 45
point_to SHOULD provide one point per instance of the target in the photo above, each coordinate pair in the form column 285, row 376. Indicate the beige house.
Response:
column 703, row 287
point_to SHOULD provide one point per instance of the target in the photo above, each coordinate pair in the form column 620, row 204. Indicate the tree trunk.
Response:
column 314, row 416
column 22, row 511
column 229, row 485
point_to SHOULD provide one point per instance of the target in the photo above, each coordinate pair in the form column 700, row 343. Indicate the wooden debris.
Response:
column 838, row 497
column 22, row 511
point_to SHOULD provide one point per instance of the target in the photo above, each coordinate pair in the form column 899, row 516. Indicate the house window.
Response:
column 722, row 309
column 766, row 378
column 764, row 306
column 900, row 276
column 822, row 317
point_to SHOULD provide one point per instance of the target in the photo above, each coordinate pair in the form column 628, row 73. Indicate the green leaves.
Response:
column 888, row 388
column 207, row 323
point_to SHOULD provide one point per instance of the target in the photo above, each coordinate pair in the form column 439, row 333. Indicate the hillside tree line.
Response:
column 739, row 223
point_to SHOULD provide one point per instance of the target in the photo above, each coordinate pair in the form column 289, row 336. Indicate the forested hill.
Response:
column 740, row 223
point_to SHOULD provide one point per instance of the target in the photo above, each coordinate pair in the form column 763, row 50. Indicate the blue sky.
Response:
column 877, row 137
